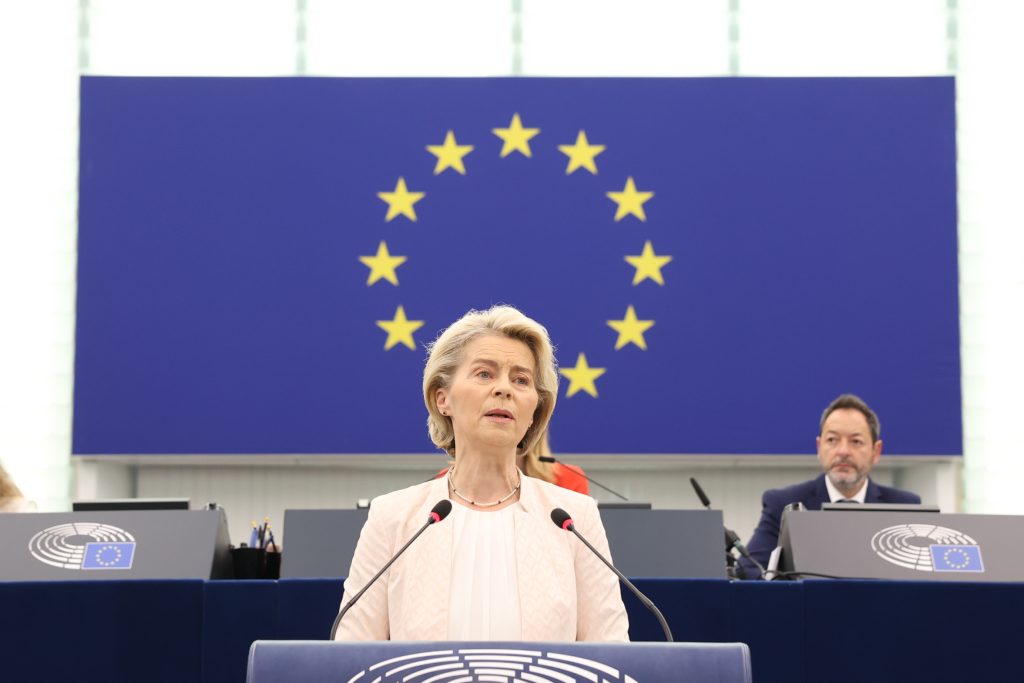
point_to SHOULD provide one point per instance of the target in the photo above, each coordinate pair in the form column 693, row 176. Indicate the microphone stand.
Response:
column 548, row 458
column 562, row 520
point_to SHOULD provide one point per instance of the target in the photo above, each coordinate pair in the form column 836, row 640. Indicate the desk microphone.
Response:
column 439, row 512
column 732, row 540
column 562, row 520
column 548, row 458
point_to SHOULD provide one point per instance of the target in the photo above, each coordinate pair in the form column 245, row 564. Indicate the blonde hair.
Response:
column 8, row 489
column 532, row 465
column 445, row 356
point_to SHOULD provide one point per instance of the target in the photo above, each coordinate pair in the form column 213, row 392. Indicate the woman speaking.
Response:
column 496, row 568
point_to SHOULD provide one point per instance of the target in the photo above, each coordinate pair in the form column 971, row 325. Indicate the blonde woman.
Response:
column 496, row 568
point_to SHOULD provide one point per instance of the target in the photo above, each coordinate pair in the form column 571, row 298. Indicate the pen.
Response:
column 263, row 531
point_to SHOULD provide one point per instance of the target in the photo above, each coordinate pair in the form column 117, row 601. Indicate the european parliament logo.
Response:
column 84, row 545
column 928, row 548
column 493, row 664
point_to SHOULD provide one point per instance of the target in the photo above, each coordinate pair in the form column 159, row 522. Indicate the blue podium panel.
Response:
column 857, row 631
column 235, row 613
column 307, row 607
column 383, row 662
column 695, row 610
column 111, row 631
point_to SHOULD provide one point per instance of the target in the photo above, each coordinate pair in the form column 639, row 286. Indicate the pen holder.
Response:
column 250, row 563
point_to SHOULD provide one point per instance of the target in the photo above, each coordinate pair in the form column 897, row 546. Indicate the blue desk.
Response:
column 181, row 631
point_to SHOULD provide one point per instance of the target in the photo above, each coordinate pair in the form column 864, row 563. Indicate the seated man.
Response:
column 848, row 447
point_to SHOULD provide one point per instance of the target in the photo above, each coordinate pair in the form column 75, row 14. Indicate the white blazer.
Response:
column 565, row 592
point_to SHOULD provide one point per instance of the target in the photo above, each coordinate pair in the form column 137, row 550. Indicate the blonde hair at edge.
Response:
column 11, row 498
column 445, row 356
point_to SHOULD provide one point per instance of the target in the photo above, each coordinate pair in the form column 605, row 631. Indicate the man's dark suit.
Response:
column 812, row 494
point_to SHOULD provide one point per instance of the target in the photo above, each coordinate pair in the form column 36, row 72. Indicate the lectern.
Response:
column 137, row 544
column 391, row 662
column 918, row 546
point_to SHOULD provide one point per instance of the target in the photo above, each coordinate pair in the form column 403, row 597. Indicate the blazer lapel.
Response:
column 432, row 569
column 538, row 607
column 819, row 494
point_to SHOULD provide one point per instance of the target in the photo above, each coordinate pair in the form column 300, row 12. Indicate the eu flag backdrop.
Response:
column 261, row 261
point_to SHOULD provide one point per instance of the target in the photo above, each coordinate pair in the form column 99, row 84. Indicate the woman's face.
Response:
column 493, row 395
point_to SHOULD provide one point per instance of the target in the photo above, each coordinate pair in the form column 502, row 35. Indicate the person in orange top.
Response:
column 560, row 474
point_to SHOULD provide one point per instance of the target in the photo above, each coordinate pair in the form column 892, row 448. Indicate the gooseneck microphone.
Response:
column 548, row 458
column 562, row 520
column 732, row 540
column 439, row 512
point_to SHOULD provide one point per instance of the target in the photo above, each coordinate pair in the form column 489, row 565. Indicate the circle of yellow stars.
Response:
column 107, row 563
column 629, row 202
column 963, row 562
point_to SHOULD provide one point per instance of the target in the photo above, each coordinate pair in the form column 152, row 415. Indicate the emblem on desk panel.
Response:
column 491, row 664
column 928, row 548
column 84, row 545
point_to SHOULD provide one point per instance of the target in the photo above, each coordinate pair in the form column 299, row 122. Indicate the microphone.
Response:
column 732, row 540
column 548, row 458
column 439, row 512
column 562, row 520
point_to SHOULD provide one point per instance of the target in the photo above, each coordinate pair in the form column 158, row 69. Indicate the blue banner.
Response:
column 261, row 261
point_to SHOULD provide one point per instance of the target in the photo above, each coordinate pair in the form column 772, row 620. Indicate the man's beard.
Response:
column 848, row 481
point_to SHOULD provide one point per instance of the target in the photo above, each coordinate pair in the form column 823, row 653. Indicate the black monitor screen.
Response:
column 881, row 507
column 130, row 504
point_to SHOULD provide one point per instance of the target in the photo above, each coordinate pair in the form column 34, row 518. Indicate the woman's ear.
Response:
column 441, row 400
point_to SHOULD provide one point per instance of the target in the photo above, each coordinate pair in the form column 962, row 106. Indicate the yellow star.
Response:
column 630, row 330
column 515, row 137
column 630, row 201
column 581, row 155
column 581, row 377
column 449, row 155
column 401, row 200
column 383, row 265
column 399, row 329
column 648, row 265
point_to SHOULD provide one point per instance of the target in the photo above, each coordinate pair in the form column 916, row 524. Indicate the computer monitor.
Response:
column 130, row 504
column 623, row 505
column 881, row 507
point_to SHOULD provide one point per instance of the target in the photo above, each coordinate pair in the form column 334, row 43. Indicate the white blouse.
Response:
column 484, row 596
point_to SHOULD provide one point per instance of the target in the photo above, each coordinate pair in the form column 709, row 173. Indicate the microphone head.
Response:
column 546, row 458
column 700, row 493
column 561, row 519
column 440, row 511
